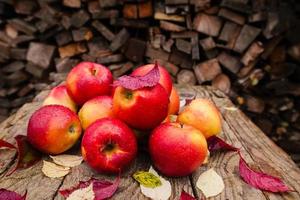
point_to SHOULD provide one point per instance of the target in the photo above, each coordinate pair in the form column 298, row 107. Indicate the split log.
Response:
column 119, row 40
column 246, row 37
column 232, row 16
column 222, row 83
column 40, row 54
column 207, row 24
column 135, row 50
column 231, row 63
column 186, row 77
column 207, row 71
column 72, row 50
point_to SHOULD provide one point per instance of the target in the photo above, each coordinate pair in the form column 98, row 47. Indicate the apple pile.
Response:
column 112, row 114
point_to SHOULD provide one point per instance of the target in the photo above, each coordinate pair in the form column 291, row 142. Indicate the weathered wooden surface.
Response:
column 237, row 130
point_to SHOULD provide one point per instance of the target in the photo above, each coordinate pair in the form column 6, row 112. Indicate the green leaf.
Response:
column 147, row 179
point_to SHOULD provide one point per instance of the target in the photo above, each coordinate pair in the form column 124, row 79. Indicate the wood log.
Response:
column 82, row 34
column 257, row 17
column 106, row 14
column 123, row 22
column 108, row 3
column 207, row 71
column 94, row 7
column 122, row 70
column 40, row 54
column 183, row 45
column 105, row 32
column 135, row 50
column 145, row 9
column 72, row 50
column 254, row 104
column 181, row 58
column 25, row 90
column 237, row 6
column 168, row 26
column 63, row 38
column 78, row 19
column 176, row 2
column 195, row 47
column 252, row 53
column 22, row 26
column 162, row 16
column 130, row 10
column 13, row 67
column 64, row 65
column 25, row 7
column 207, row 24
column 119, row 40
column 178, row 9
column 35, row 70
column 72, row 3
column 230, row 62
column 232, row 16
column 167, row 45
column 18, row 53
column 246, row 37
column 207, row 43
column 222, row 83
column 186, row 77
column 111, row 59
column 156, row 54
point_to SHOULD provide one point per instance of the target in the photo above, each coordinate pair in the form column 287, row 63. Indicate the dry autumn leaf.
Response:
column 135, row 82
column 86, row 193
column 11, row 195
column 162, row 192
column 67, row 160
column 210, row 183
column 53, row 170
column 147, row 179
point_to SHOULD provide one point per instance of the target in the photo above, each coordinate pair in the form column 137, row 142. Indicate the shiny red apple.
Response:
column 177, row 150
column 88, row 80
column 108, row 145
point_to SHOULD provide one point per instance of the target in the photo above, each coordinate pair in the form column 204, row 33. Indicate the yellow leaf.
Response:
column 210, row 183
column 162, row 192
column 147, row 179
column 67, row 160
column 53, row 170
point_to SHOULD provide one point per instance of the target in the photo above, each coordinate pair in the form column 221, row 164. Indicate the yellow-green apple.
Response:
column 203, row 115
column 60, row 96
column 142, row 108
column 108, row 145
column 53, row 129
column 177, row 150
column 88, row 80
column 165, row 78
column 96, row 108
column 174, row 102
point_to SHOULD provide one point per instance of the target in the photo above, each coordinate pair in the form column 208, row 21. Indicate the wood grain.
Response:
column 238, row 130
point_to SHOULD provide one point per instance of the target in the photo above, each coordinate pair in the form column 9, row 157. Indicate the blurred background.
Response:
column 249, row 49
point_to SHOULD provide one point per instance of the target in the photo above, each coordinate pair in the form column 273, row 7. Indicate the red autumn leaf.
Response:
column 10, row 195
column 105, row 189
column 186, row 196
column 27, row 155
column 6, row 144
column 260, row 180
column 215, row 143
column 136, row 82
column 101, row 188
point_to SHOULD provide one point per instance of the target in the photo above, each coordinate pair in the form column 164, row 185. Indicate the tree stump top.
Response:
column 238, row 130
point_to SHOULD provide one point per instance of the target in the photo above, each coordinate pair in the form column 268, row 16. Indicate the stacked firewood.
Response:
column 248, row 49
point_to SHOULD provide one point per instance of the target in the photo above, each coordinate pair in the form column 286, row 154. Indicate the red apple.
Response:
column 94, row 109
column 165, row 78
column 144, row 108
column 108, row 145
column 60, row 96
column 88, row 80
column 177, row 150
column 53, row 129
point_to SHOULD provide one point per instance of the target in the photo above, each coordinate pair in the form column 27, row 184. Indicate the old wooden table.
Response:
column 237, row 130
